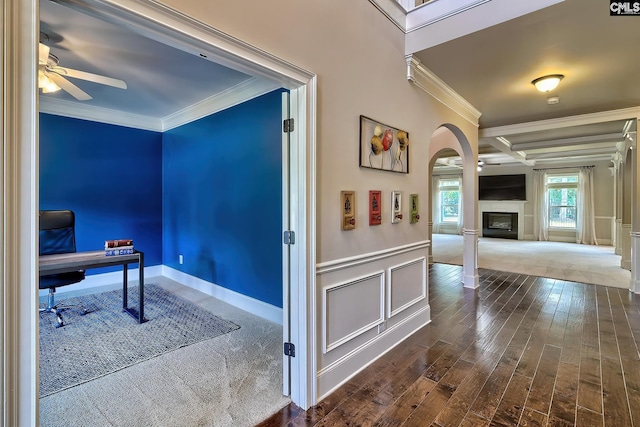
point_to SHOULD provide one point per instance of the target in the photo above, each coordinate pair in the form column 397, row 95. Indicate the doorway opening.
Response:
column 302, row 152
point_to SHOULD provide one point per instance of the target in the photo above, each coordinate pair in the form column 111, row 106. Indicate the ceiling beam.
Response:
column 613, row 146
column 549, row 143
column 572, row 153
column 503, row 145
column 562, row 122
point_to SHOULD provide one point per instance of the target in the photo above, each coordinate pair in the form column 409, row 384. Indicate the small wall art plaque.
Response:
column 396, row 207
column 375, row 207
column 414, row 209
column 348, row 209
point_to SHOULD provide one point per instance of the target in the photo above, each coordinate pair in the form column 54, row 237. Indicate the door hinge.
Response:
column 289, row 349
column 287, row 125
column 289, row 237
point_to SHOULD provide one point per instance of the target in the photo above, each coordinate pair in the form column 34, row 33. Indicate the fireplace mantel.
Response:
column 515, row 206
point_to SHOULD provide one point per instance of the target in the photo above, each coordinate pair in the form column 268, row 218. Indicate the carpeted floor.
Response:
column 106, row 339
column 233, row 379
column 598, row 265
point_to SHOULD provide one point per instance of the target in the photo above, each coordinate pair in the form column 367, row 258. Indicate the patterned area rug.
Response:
column 106, row 339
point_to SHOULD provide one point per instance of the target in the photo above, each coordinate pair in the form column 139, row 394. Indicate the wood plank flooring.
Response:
column 519, row 351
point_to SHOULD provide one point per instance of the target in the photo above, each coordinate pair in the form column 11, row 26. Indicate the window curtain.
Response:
column 436, row 205
column 540, row 208
column 585, row 221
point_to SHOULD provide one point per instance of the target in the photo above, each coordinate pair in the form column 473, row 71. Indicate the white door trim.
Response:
column 19, row 259
column 18, row 293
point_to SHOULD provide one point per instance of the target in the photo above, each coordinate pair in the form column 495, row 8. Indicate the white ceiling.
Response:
column 161, row 80
column 490, row 68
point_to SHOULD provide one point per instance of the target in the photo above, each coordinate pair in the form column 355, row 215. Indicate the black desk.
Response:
column 64, row 263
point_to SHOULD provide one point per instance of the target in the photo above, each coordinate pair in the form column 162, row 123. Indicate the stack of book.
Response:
column 118, row 247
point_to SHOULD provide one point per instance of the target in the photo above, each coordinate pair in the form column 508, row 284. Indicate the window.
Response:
column 561, row 192
column 449, row 193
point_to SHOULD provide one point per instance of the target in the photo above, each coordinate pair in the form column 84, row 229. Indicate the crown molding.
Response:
column 78, row 110
column 242, row 92
column 426, row 80
column 436, row 10
column 393, row 11
column 147, row 17
column 584, row 119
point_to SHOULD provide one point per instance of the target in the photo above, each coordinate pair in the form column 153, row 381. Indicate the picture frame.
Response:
column 414, row 209
column 383, row 147
column 348, row 210
column 396, row 207
column 375, row 207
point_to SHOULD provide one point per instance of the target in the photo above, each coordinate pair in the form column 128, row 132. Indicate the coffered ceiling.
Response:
column 493, row 69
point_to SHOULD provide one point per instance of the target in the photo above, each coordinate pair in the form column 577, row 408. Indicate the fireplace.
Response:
column 500, row 224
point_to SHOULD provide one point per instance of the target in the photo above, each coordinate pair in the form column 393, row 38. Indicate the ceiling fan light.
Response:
column 51, row 87
column 547, row 83
column 46, row 84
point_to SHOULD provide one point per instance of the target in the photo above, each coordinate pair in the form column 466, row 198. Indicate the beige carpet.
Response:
column 230, row 380
column 598, row 265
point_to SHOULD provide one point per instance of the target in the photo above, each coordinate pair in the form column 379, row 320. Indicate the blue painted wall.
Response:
column 210, row 190
column 222, row 198
column 110, row 176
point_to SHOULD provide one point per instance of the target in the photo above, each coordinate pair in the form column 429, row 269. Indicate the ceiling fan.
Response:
column 52, row 77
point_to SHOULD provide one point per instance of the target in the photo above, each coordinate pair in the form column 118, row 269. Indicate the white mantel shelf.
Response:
column 508, row 206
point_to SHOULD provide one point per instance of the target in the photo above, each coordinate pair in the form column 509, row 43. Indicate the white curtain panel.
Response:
column 540, row 218
column 586, row 220
column 435, row 197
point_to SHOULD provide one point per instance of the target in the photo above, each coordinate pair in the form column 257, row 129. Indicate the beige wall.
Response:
column 365, row 307
column 358, row 55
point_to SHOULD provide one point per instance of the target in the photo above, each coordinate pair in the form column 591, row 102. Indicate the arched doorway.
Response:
column 450, row 137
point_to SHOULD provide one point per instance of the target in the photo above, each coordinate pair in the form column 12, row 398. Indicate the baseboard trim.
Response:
column 112, row 281
column 243, row 302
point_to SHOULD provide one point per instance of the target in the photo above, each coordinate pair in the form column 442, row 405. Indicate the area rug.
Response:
column 107, row 340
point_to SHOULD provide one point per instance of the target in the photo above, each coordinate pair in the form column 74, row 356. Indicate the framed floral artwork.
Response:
column 383, row 147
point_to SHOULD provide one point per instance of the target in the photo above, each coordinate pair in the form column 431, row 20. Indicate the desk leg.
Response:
column 139, row 313
column 141, row 287
column 125, row 290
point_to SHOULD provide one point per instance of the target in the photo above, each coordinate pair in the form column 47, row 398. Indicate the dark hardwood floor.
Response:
column 520, row 350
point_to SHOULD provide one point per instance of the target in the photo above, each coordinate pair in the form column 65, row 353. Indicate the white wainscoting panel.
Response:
column 355, row 296
column 406, row 285
column 351, row 308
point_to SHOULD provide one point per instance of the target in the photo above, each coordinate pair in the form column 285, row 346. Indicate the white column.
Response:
column 625, row 238
column 635, row 273
column 470, row 259
column 634, row 286
column 618, row 203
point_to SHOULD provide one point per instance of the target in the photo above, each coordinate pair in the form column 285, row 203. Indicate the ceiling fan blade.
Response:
column 83, row 75
column 43, row 53
column 65, row 84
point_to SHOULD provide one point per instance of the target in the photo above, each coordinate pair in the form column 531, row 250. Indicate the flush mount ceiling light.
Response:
column 547, row 83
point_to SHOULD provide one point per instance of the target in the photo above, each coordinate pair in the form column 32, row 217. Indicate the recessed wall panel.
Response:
column 407, row 285
column 352, row 308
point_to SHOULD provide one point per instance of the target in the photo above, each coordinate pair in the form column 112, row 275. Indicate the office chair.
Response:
column 57, row 236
